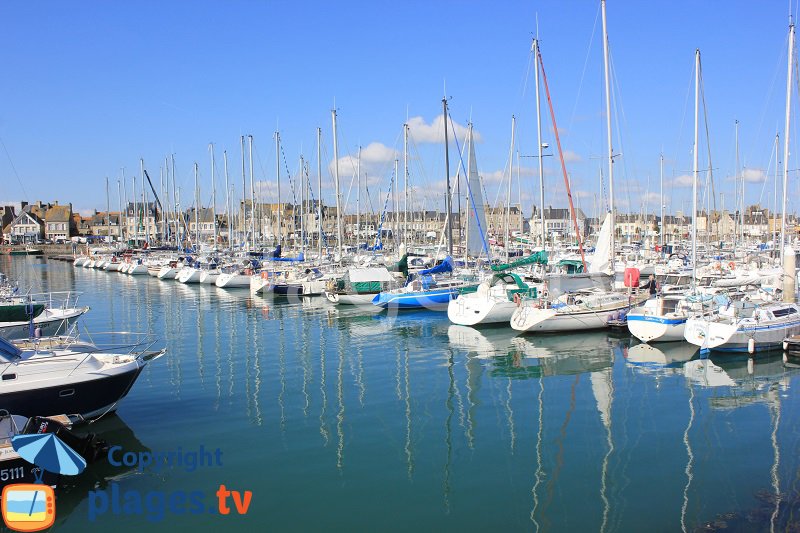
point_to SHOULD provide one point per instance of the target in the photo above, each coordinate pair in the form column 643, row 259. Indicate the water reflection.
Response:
column 97, row 476
column 447, row 420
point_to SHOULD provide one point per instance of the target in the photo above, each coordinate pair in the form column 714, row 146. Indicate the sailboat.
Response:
column 579, row 310
column 495, row 299
column 590, row 308
column 754, row 326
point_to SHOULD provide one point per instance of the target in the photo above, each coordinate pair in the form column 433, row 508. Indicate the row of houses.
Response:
column 38, row 222
column 56, row 222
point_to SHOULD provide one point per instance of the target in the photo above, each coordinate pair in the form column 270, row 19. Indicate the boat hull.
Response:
column 722, row 337
column 649, row 328
column 436, row 299
column 50, row 322
column 475, row 311
column 232, row 281
column 89, row 398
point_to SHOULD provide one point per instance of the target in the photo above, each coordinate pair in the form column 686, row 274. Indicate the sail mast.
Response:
column 252, row 192
column 213, row 195
column 508, row 195
column 539, row 143
column 786, row 137
column 108, row 213
column 319, row 195
column 278, row 183
column 661, row 199
column 358, row 198
column 695, row 162
column 227, row 198
column 405, row 184
column 336, row 179
column 608, row 132
column 448, row 207
column 564, row 165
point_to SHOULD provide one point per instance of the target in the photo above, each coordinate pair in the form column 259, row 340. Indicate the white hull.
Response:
column 189, row 275
column 137, row 270
column 209, row 277
column 364, row 300
column 723, row 336
column 111, row 267
column 648, row 328
column 79, row 262
column 168, row 273
column 232, row 281
column 259, row 285
column 51, row 322
column 469, row 310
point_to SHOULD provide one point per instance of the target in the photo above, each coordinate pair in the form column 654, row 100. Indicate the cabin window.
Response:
column 784, row 312
column 7, row 377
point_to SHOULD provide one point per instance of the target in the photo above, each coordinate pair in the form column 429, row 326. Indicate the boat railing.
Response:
column 55, row 300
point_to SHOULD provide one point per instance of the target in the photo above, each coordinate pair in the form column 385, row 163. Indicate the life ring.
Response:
column 517, row 299
column 731, row 265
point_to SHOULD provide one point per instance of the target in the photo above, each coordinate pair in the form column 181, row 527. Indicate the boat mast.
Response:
column 358, row 197
column 108, row 213
column 336, row 179
column 775, row 193
column 213, row 195
column 539, row 143
column 608, row 132
column 125, row 188
column 119, row 199
column 405, row 184
column 447, row 200
column 739, row 191
column 508, row 196
column 786, row 138
column 319, row 195
column 302, row 201
column 252, row 193
column 661, row 199
column 695, row 162
column 227, row 198
column 278, row 183
column 196, row 210
column 243, row 220
column 177, row 205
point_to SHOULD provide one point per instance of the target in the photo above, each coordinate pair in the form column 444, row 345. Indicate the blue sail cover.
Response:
column 301, row 257
column 444, row 266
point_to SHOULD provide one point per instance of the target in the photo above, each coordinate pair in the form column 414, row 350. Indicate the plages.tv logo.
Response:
column 156, row 504
column 32, row 506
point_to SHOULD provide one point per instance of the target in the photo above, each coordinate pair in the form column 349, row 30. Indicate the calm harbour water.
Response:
column 339, row 419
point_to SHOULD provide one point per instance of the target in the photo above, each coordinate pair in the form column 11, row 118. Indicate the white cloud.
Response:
column 754, row 175
column 422, row 132
column 684, row 180
column 582, row 194
column 571, row 157
column 653, row 198
column 376, row 158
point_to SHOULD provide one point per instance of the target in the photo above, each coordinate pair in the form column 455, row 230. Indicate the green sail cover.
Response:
column 539, row 257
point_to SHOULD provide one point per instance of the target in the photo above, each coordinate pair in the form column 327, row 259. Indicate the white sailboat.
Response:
column 748, row 326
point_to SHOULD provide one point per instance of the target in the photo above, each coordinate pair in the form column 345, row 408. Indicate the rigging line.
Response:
column 778, row 63
column 563, row 164
column 14, row 169
column 617, row 109
column 583, row 72
column 708, row 144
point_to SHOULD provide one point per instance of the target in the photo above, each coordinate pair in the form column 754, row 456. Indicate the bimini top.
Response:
column 8, row 351
column 359, row 275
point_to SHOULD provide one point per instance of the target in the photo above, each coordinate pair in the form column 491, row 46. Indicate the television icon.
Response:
column 28, row 506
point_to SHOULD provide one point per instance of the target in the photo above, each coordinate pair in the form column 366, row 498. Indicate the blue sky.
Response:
column 90, row 87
